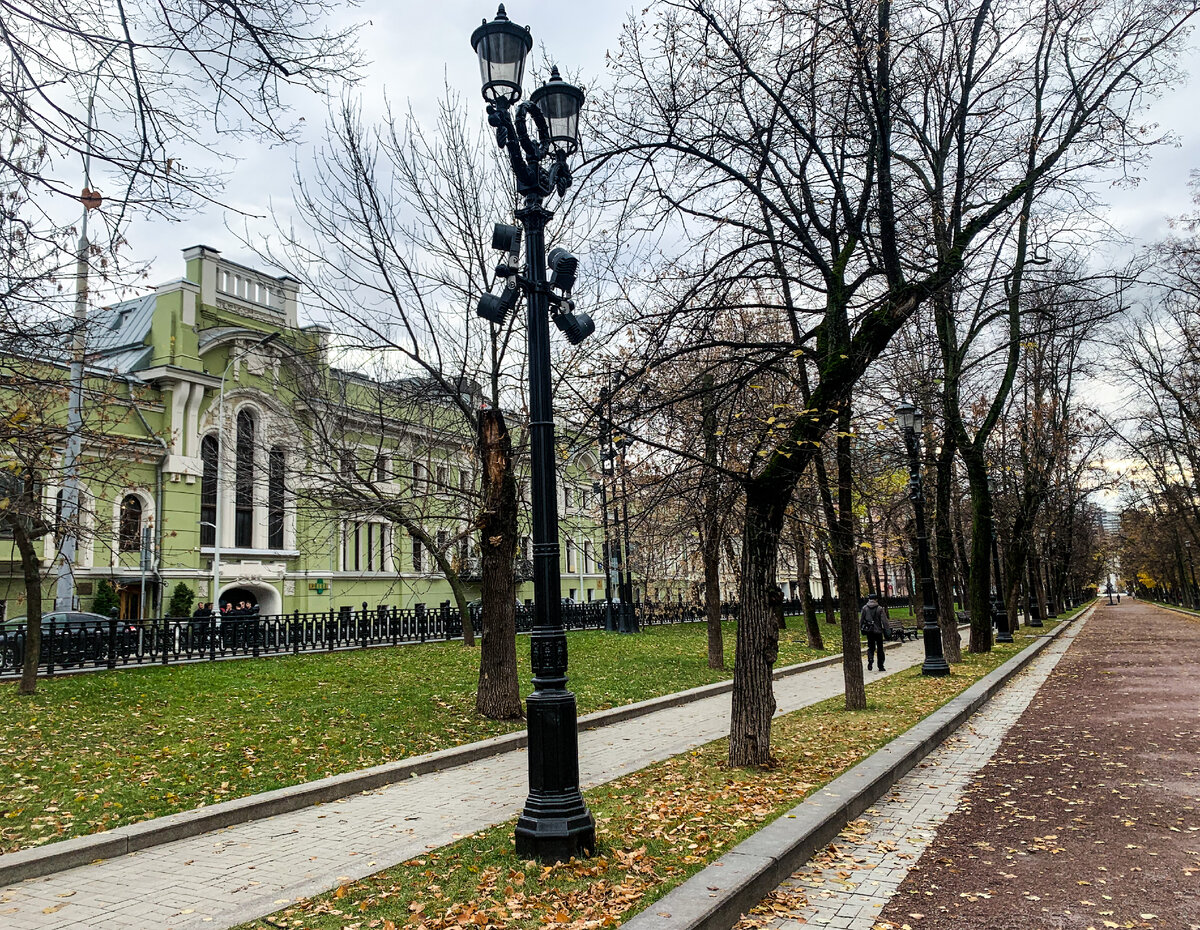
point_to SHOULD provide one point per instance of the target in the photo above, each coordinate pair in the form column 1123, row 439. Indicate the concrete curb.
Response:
column 67, row 854
column 716, row 897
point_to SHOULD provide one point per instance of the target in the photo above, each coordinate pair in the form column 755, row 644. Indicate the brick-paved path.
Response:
column 847, row 885
column 234, row 875
column 1085, row 817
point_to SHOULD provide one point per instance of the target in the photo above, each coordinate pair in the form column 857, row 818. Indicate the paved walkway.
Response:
column 847, row 885
column 230, row 876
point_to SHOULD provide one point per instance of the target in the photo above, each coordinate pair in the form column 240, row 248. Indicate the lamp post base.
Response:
column 1000, row 615
column 555, row 824
column 935, row 660
column 936, row 666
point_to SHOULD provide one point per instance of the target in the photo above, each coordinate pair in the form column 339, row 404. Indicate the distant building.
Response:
column 286, row 544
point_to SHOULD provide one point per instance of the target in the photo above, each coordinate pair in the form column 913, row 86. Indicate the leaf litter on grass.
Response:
column 655, row 828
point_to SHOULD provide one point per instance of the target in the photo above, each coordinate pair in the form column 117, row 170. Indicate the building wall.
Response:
column 181, row 344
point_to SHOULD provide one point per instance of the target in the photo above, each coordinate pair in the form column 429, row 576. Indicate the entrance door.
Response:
column 130, row 602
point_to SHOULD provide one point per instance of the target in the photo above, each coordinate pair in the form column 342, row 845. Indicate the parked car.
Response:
column 73, row 620
column 78, row 637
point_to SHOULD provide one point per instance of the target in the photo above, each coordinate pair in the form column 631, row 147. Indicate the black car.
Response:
column 71, row 637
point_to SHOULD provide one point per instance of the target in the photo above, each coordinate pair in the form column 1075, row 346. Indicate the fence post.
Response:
column 295, row 638
column 329, row 631
column 112, row 641
column 446, row 620
column 255, row 631
column 363, row 627
column 421, row 621
column 166, row 639
column 50, row 655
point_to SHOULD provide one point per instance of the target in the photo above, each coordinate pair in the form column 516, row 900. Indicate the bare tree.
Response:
column 760, row 143
column 394, row 250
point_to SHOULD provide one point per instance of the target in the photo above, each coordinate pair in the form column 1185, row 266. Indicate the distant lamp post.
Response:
column 556, row 823
column 999, row 602
column 1195, row 598
column 911, row 421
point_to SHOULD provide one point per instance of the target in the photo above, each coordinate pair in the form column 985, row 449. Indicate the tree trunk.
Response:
column 32, row 568
column 710, row 531
column 842, row 537
column 711, row 556
column 812, row 629
column 757, row 631
column 826, row 587
column 979, row 579
column 943, row 552
column 498, row 695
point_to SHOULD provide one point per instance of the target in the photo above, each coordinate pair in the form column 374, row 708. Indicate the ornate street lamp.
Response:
column 999, row 602
column 555, row 823
column 911, row 421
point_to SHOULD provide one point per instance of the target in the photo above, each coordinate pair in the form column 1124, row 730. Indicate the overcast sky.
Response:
column 413, row 49
column 414, row 46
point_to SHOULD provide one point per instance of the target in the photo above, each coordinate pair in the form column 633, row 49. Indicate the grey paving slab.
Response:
column 229, row 876
column 847, row 885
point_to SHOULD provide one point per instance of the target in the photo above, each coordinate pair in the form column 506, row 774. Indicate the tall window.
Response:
column 570, row 548
column 243, row 504
column 589, row 563
column 208, row 491
column 129, row 538
column 276, row 491
column 418, row 556
column 371, row 547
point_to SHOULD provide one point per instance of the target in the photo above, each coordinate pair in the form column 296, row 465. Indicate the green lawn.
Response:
column 655, row 827
column 91, row 752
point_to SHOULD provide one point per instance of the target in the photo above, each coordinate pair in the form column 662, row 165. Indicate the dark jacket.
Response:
column 870, row 618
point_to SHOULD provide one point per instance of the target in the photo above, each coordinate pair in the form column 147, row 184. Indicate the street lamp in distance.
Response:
column 912, row 420
column 999, row 602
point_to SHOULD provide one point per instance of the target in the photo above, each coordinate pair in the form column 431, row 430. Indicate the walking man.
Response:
column 871, row 622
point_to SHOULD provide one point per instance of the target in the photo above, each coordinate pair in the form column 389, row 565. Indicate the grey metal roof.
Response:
column 117, row 335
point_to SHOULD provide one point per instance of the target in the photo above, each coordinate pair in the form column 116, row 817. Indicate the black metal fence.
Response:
column 121, row 643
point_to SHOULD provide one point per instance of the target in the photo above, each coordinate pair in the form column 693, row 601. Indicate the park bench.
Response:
column 896, row 630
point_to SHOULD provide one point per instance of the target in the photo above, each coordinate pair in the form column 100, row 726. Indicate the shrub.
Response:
column 181, row 601
column 106, row 600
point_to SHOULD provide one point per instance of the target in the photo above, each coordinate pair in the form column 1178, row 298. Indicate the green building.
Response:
column 177, row 363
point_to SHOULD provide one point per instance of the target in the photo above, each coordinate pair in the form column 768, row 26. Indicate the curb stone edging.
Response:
column 716, row 896
column 40, row 861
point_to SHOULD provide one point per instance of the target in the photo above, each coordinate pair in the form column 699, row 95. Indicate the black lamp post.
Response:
column 911, row 421
column 1031, row 581
column 556, row 823
column 1195, row 598
column 999, row 602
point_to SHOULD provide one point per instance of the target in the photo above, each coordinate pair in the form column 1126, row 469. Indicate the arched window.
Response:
column 243, row 501
column 209, row 450
column 275, row 498
column 129, row 537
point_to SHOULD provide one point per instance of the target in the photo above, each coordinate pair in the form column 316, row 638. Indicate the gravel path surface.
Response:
column 1086, row 817
column 847, row 885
